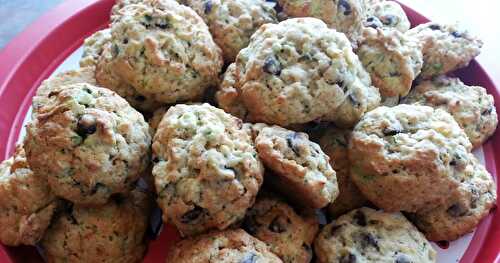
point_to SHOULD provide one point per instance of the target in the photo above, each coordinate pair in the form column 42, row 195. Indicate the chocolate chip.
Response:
column 402, row 259
column 368, row 240
column 487, row 112
column 249, row 258
column 435, row 27
column 456, row 34
column 391, row 131
column 456, row 210
column 277, row 226
column 388, row 20
column 207, row 6
column 453, row 162
column 156, row 160
column 345, row 7
column 370, row 19
column 290, row 141
column 272, row 66
column 359, row 218
column 349, row 258
column 373, row 22
column 86, row 126
column 250, row 225
column 162, row 25
column 191, row 216
column 148, row 18
column 125, row 41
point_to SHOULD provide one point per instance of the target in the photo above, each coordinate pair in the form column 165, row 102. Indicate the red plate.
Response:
column 34, row 54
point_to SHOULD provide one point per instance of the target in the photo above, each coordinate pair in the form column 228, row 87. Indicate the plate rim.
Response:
column 37, row 51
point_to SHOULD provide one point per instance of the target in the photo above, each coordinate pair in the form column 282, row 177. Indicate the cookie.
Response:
column 393, row 60
column 155, row 120
column 285, row 77
column 471, row 106
column 55, row 84
column 114, row 232
column 225, row 247
column 301, row 165
column 232, row 22
column 286, row 233
column 464, row 214
column 445, row 48
column 163, row 50
column 386, row 14
column 89, row 143
column 26, row 203
column 228, row 96
column 345, row 16
column 408, row 157
column 367, row 235
column 334, row 142
column 199, row 150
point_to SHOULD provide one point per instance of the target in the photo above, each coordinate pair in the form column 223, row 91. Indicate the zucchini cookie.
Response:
column 386, row 14
column 367, row 235
column 298, row 71
column 163, row 50
column 300, row 164
column 471, row 106
column 408, row 157
column 345, row 16
column 222, row 247
column 286, row 233
column 117, row 231
column 445, row 48
column 465, row 212
column 26, row 203
column 393, row 60
column 232, row 22
column 207, row 172
column 334, row 142
column 89, row 143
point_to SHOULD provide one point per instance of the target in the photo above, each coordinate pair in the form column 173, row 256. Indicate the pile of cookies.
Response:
column 248, row 121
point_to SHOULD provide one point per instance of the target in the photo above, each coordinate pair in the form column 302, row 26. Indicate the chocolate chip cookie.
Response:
column 367, row 235
column 300, row 164
column 408, row 157
column 89, row 143
column 206, row 169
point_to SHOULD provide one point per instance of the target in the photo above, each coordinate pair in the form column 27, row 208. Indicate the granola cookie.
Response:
column 393, row 60
column 26, row 203
column 301, row 165
column 286, row 233
column 114, row 232
column 334, row 142
column 298, row 71
column 222, row 247
column 386, row 14
column 232, row 22
column 206, row 170
column 466, row 211
column 408, row 157
column 445, row 48
column 89, row 143
column 345, row 16
column 367, row 235
column 471, row 106
column 163, row 50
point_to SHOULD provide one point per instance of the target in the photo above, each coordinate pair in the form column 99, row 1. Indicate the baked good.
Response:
column 393, row 60
column 367, row 235
column 286, row 77
column 408, row 157
column 222, row 247
column 466, row 211
column 199, row 150
column 155, row 120
column 88, row 142
column 163, row 50
column 114, row 232
column 288, row 234
column 232, row 22
column 445, row 47
column 471, row 106
column 386, row 14
column 334, row 142
column 300, row 164
column 26, row 203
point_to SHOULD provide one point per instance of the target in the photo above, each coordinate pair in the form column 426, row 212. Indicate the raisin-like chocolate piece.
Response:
column 359, row 218
column 456, row 34
column 435, row 27
column 207, row 6
column 368, row 240
column 402, row 259
column 86, row 126
column 349, row 258
column 344, row 7
column 391, row 131
column 272, row 66
column 290, row 141
column 456, row 210
column 388, row 20
column 191, row 216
